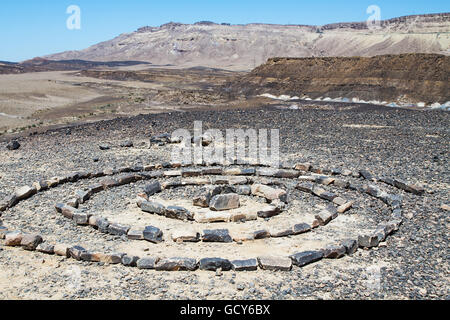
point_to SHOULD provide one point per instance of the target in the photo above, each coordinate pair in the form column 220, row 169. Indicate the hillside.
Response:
column 243, row 47
column 392, row 78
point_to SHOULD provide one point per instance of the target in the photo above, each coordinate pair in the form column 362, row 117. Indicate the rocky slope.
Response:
column 391, row 78
column 244, row 47
column 40, row 65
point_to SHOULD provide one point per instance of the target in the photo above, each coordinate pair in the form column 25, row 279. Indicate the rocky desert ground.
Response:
column 92, row 205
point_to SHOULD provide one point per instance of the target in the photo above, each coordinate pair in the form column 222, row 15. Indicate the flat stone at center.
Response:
column 224, row 202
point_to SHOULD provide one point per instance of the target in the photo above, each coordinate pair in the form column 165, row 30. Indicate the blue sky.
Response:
column 30, row 28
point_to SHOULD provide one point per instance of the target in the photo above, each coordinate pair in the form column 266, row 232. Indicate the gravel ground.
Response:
column 411, row 145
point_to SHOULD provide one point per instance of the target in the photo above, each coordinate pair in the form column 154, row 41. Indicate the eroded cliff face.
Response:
column 392, row 78
column 243, row 47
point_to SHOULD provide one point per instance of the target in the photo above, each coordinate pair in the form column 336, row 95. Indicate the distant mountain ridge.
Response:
column 40, row 65
column 244, row 47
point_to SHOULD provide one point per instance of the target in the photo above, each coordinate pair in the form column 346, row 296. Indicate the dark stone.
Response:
column 191, row 172
column 13, row 145
column 102, row 224
column 330, row 196
column 153, row 234
column 75, row 252
column 218, row 235
column 46, row 248
column 127, row 144
column 177, row 264
column 179, row 213
column 408, row 187
column 212, row 171
column 275, row 263
column 147, row 263
column 334, row 252
column 301, row 228
column 109, row 183
column 80, row 218
column 59, row 207
column 269, row 212
column 242, row 190
column 30, row 241
column 73, row 177
column 12, row 201
column 130, row 261
column 152, row 188
column 153, row 207
column 245, row 265
column 261, row 234
column 224, row 202
column 104, row 147
column 118, row 230
column 82, row 196
column 368, row 241
column 160, row 139
column 127, row 179
column 303, row 258
column 213, row 264
column 96, row 188
column 366, row 174
column 351, row 246
column 305, row 187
